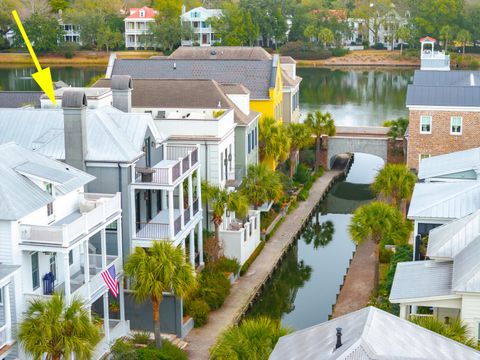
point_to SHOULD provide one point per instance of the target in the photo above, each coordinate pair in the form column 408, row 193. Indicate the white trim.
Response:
column 431, row 124
column 451, row 125
column 445, row 108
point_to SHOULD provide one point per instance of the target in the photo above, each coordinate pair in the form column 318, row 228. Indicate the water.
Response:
column 301, row 293
column 20, row 78
column 355, row 96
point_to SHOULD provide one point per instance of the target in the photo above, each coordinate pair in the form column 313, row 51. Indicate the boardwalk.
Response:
column 360, row 281
column 244, row 290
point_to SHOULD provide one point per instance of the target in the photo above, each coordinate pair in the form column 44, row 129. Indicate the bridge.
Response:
column 360, row 139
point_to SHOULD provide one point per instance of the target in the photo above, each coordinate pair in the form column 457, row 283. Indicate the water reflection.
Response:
column 354, row 96
column 319, row 234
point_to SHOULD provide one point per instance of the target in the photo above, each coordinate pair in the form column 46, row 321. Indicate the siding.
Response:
column 471, row 313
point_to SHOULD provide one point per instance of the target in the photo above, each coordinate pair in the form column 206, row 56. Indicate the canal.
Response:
column 304, row 287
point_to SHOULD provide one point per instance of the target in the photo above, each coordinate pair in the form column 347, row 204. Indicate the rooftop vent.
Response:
column 121, row 82
column 74, row 99
column 339, row 338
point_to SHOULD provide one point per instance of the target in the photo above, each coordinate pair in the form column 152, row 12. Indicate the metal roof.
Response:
column 449, row 164
column 420, row 279
column 221, row 53
column 370, row 333
column 444, row 200
column 6, row 271
column 255, row 75
column 16, row 99
column 446, row 78
column 112, row 135
column 19, row 195
column 449, row 240
column 466, row 268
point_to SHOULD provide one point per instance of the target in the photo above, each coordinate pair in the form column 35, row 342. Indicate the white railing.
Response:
column 4, row 335
column 95, row 210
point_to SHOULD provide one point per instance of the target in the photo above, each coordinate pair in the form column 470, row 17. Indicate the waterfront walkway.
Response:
column 244, row 290
column 360, row 281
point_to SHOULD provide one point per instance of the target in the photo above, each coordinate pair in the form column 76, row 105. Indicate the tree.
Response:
column 56, row 329
column 463, row 37
column 43, row 31
column 404, row 34
column 236, row 27
column 446, row 33
column 167, row 34
column 326, row 37
column 300, row 138
column 108, row 38
column 394, row 183
column 57, row 5
column 261, row 185
column 398, row 129
column 320, row 124
column 430, row 16
column 221, row 200
column 253, row 339
column 310, row 32
column 161, row 268
column 320, row 234
column 274, row 142
column 373, row 12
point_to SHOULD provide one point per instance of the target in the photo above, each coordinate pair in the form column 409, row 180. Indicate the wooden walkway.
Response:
column 360, row 281
column 245, row 289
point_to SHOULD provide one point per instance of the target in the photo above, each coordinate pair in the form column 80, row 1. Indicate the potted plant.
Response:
column 114, row 306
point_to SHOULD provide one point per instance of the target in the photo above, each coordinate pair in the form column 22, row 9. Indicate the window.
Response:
column 423, row 156
column 230, row 157
column 249, row 142
column 456, row 125
column 53, row 265
column 256, row 136
column 146, row 149
column 112, row 226
column 49, row 189
column 70, row 257
column 35, row 271
column 426, row 125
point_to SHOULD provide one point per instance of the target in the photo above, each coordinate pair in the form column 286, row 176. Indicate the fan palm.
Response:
column 154, row 271
column 57, row 330
column 220, row 200
column 253, row 339
column 300, row 137
column 394, row 183
column 274, row 142
column 320, row 124
column 261, row 185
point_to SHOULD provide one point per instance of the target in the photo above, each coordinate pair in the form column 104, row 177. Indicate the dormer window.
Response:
column 142, row 13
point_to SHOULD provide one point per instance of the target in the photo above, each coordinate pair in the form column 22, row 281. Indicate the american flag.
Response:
column 110, row 278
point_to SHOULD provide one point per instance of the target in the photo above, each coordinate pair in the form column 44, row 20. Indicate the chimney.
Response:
column 74, row 104
column 122, row 92
column 339, row 338
column 184, row 9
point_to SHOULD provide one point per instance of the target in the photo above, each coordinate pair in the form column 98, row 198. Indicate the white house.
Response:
column 137, row 25
column 71, row 32
column 197, row 19
column 55, row 237
column 387, row 26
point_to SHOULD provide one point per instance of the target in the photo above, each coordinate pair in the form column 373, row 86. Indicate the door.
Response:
column 137, row 211
column 149, row 205
column 148, row 159
column 204, row 39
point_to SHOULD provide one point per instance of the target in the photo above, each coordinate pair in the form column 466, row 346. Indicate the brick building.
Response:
column 444, row 113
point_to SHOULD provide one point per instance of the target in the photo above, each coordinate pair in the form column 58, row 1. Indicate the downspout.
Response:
column 206, row 179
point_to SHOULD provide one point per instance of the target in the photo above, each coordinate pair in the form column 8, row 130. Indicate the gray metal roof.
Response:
column 255, row 75
column 112, row 135
column 7, row 270
column 444, row 200
column 466, row 268
column 370, row 333
column 449, row 240
column 420, row 279
column 19, row 195
column 16, row 99
column 446, row 78
column 450, row 164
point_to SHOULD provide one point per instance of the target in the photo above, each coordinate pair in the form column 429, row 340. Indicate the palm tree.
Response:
column 446, row 33
column 464, row 36
column 310, row 32
column 261, row 185
column 320, row 124
column 394, row 183
column 300, row 137
column 221, row 200
column 253, row 339
column 326, row 36
column 274, row 142
column 161, row 268
column 57, row 330
column 398, row 129
column 320, row 234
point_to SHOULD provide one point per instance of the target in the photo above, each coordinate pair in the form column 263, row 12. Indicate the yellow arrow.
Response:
column 43, row 77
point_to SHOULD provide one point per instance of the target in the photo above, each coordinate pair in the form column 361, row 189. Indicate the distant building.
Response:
column 431, row 59
column 202, row 32
column 137, row 27
column 71, row 33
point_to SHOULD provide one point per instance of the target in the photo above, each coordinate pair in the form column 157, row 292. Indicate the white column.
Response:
column 192, row 248
column 199, row 186
column 103, row 242
column 171, row 217
column 122, row 299
column 404, row 311
column 86, row 264
column 119, row 238
column 200, row 243
column 133, row 219
column 7, row 310
column 106, row 317
column 190, row 195
column 66, row 270
column 181, row 203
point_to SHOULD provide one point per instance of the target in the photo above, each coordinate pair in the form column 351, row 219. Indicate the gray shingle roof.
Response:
column 16, row 99
column 451, row 163
column 370, row 333
column 255, row 75
column 221, row 53
column 19, row 195
column 420, row 279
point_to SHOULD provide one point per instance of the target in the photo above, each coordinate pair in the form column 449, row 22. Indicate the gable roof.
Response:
column 221, row 53
column 451, row 163
column 428, row 38
column 208, row 12
column 16, row 99
column 444, row 200
column 112, row 135
column 255, row 75
column 135, row 13
column 19, row 195
column 368, row 334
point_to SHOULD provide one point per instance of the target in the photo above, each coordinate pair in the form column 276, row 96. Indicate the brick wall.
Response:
column 440, row 141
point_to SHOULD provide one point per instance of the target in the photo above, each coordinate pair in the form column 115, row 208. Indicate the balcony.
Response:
column 93, row 210
column 178, row 161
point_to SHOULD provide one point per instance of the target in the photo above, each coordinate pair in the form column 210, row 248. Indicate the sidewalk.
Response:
column 244, row 290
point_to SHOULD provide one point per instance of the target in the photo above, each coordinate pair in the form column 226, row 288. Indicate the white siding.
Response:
column 471, row 313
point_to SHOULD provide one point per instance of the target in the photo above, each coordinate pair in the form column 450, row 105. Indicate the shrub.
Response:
column 303, row 194
column 385, row 255
column 402, row 253
column 167, row 352
column 304, row 51
column 337, row 52
column 474, row 64
column 198, row 309
column 227, row 265
column 141, row 337
column 214, row 288
column 122, row 350
column 379, row 46
column 302, row 175
column 252, row 258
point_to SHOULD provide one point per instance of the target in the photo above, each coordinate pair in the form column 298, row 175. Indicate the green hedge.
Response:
column 126, row 350
column 198, row 309
column 252, row 258
column 214, row 287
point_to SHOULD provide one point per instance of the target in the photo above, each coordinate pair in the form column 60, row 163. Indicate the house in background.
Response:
column 198, row 20
column 71, row 32
column 56, row 237
column 137, row 27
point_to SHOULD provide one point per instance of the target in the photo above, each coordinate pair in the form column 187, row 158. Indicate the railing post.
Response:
column 180, row 160
column 106, row 319
column 171, row 217
column 181, row 204
column 87, row 267
column 66, row 271
column 7, row 310
column 190, row 195
column 103, row 244
column 119, row 239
